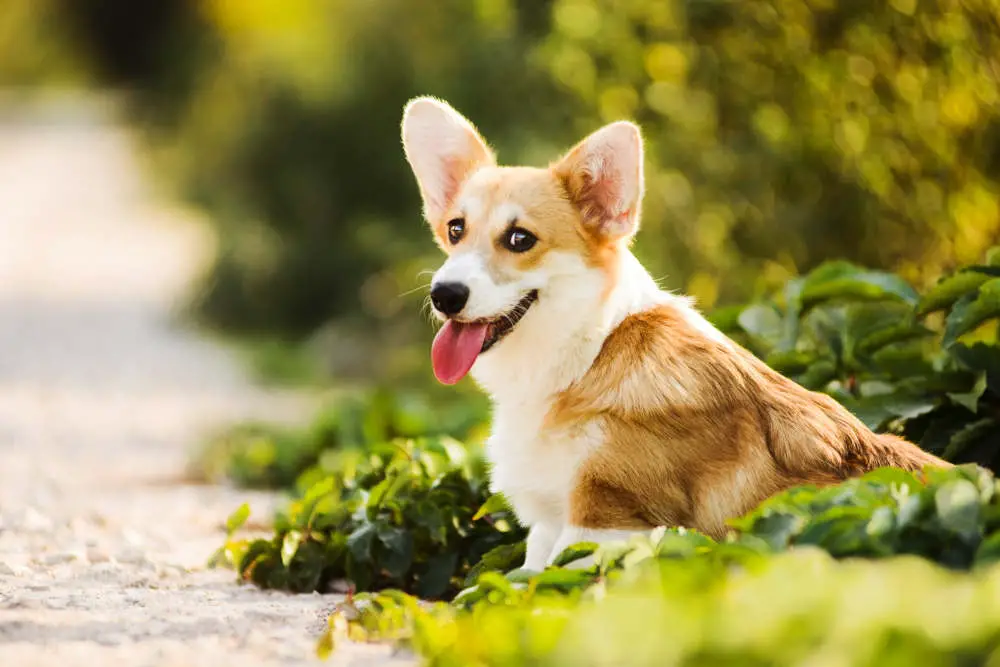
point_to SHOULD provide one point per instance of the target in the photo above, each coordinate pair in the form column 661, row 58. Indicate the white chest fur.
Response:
column 535, row 469
column 554, row 345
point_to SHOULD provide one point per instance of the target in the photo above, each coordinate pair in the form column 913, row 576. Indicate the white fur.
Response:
column 442, row 147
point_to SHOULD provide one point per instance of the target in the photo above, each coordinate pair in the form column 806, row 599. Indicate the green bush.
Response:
column 778, row 134
column 401, row 514
column 263, row 455
column 924, row 366
column 678, row 598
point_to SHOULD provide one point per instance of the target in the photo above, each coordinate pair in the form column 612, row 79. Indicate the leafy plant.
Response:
column 401, row 514
column 679, row 598
column 264, row 455
column 924, row 366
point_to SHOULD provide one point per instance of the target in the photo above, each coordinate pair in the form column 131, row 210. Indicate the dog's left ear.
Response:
column 603, row 175
column 443, row 149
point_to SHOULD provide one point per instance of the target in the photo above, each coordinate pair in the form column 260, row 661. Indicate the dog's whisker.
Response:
column 415, row 289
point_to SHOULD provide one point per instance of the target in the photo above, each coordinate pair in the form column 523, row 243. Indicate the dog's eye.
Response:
column 519, row 240
column 456, row 230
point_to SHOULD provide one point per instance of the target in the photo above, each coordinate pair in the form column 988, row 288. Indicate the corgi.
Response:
column 617, row 407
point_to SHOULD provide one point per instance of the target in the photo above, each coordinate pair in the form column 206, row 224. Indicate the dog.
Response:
column 617, row 407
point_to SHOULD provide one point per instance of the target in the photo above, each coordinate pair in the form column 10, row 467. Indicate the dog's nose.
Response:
column 449, row 298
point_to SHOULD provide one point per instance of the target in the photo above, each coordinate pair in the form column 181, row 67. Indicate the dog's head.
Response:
column 527, row 247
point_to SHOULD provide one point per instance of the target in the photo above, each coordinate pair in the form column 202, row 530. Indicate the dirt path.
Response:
column 102, row 545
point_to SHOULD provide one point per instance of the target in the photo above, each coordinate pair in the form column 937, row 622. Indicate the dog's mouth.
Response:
column 499, row 327
column 458, row 344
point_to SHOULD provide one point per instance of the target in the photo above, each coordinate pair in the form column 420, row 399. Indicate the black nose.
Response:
column 449, row 298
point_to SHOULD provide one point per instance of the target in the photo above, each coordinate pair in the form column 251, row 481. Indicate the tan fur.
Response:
column 700, row 430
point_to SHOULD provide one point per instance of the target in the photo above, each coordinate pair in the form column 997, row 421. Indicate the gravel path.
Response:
column 102, row 543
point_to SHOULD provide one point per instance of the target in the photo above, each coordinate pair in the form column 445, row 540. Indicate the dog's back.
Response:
column 699, row 430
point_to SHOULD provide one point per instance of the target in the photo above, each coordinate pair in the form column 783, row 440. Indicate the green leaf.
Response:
column 875, row 411
column 495, row 503
column 791, row 362
column 958, row 508
column 980, row 357
column 435, row 577
column 398, row 545
column 843, row 280
column 325, row 645
column 967, row 436
column 501, row 558
column 360, row 543
column 894, row 334
column 777, row 529
column 988, row 552
column 818, row 375
column 793, row 312
column 574, row 552
column 761, row 321
column 237, row 519
column 970, row 399
column 289, row 546
column 725, row 319
column 949, row 290
column 972, row 310
column 563, row 578
column 993, row 256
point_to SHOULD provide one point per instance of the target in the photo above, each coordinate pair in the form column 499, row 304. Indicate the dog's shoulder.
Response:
column 666, row 355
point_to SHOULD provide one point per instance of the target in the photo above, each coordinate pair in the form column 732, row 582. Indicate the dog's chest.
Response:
column 534, row 467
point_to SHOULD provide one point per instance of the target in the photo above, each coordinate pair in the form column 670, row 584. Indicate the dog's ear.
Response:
column 603, row 175
column 443, row 149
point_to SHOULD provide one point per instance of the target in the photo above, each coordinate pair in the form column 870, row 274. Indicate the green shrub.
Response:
column 778, row 134
column 399, row 514
column 924, row 366
column 263, row 455
column 678, row 598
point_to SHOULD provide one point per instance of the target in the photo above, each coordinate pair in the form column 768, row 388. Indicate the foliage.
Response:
column 924, row 366
column 678, row 598
column 778, row 134
column 34, row 47
column 264, row 455
column 400, row 514
column 784, row 132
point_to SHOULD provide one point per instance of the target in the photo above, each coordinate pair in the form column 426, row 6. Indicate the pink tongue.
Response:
column 455, row 349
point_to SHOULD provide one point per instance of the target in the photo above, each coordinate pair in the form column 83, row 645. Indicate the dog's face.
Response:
column 519, row 240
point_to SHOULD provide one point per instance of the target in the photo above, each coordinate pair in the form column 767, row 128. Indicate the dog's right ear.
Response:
column 443, row 149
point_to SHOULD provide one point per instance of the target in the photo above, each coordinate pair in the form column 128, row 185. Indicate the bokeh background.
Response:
column 780, row 133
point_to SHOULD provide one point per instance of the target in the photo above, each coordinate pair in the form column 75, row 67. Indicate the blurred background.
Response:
column 779, row 133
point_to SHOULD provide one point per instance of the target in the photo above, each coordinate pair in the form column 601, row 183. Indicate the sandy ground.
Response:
column 102, row 543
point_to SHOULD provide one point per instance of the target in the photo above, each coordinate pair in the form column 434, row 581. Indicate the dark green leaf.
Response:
column 842, row 280
column 501, row 558
column 360, row 543
column 398, row 550
column 435, row 576
column 949, row 290
column 761, row 321
column 973, row 310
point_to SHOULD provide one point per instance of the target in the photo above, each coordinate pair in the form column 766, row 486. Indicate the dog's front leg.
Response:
column 541, row 537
